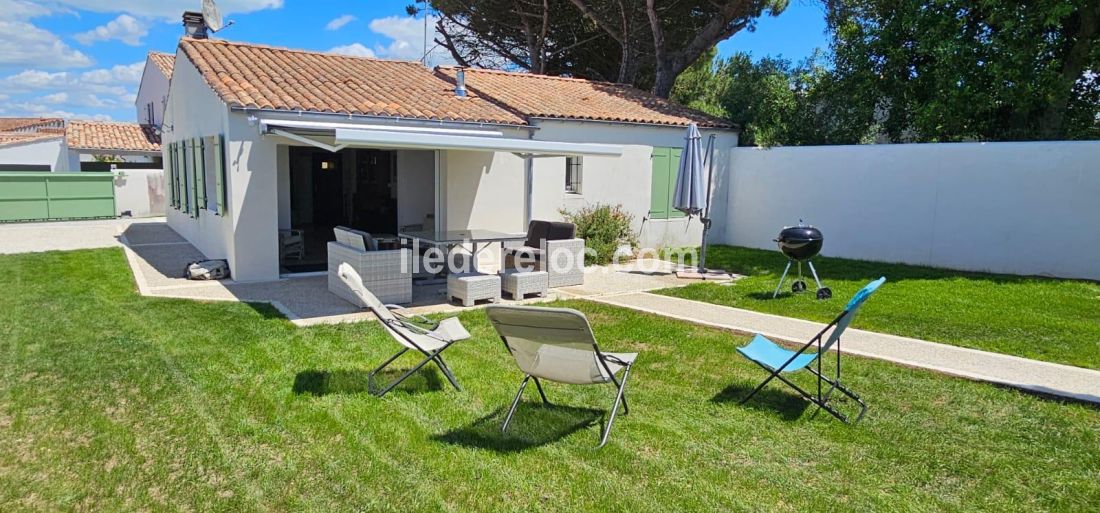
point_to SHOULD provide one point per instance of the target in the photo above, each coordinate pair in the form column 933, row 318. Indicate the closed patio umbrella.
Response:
column 691, row 191
column 692, row 194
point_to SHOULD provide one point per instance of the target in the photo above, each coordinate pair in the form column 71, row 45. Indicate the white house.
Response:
column 32, row 144
column 132, row 145
column 152, row 93
column 260, row 139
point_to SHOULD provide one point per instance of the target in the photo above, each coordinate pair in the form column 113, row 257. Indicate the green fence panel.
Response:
column 23, row 196
column 56, row 196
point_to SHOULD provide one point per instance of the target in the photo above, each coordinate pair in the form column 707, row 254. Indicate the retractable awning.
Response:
column 426, row 138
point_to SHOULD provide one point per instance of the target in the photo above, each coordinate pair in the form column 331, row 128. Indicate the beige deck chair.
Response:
column 430, row 340
column 557, row 344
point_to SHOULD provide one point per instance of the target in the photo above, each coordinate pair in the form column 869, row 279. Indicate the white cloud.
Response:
column 163, row 9
column 22, row 9
column 129, row 74
column 339, row 23
column 354, row 50
column 124, row 28
column 406, row 36
column 23, row 44
column 51, row 94
column 56, row 98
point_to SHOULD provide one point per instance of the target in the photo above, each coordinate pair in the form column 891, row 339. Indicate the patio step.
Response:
column 1031, row 375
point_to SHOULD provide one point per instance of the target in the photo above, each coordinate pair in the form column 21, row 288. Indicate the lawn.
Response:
column 114, row 402
column 1039, row 318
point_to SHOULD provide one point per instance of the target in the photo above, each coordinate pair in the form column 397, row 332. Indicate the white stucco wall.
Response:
column 50, row 152
column 625, row 180
column 194, row 111
column 153, row 89
column 141, row 192
column 1019, row 208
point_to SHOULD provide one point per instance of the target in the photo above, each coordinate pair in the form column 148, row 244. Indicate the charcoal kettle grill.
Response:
column 800, row 244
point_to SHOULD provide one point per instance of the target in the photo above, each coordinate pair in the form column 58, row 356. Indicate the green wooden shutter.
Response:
column 219, row 173
column 177, row 178
column 193, row 171
column 673, row 170
column 200, row 174
column 168, row 191
column 659, row 191
column 186, row 161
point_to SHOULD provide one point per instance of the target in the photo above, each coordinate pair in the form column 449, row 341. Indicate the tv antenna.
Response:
column 212, row 17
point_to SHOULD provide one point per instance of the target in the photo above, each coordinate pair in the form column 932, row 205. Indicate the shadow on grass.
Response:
column 760, row 262
column 533, row 425
column 266, row 310
column 787, row 404
column 328, row 382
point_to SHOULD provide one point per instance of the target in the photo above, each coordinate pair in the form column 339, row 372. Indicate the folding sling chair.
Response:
column 415, row 333
column 778, row 361
column 557, row 344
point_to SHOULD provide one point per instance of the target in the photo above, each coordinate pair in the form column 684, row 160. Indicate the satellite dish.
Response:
column 212, row 16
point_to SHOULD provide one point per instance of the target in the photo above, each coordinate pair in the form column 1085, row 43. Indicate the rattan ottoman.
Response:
column 471, row 287
column 519, row 283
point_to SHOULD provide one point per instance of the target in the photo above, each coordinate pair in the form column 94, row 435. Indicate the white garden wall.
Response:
column 141, row 192
column 1019, row 208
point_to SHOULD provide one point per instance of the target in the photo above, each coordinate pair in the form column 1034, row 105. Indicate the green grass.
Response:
column 1044, row 319
column 114, row 402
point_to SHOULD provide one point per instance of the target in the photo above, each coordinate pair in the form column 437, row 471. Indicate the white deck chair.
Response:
column 430, row 340
column 557, row 344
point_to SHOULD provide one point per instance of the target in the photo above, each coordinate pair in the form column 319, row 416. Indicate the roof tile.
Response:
column 542, row 96
column 254, row 76
column 264, row 77
column 109, row 136
column 165, row 62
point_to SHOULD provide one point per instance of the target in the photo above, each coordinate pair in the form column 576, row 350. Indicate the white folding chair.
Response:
column 557, row 344
column 412, row 332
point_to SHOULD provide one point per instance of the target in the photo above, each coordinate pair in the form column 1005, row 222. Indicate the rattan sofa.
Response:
column 553, row 248
column 387, row 274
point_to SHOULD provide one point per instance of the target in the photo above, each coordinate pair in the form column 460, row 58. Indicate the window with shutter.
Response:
column 219, row 173
column 666, row 164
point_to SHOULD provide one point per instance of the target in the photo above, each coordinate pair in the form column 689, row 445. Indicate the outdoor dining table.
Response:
column 477, row 240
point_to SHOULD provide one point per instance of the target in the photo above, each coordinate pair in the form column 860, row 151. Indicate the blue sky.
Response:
column 84, row 58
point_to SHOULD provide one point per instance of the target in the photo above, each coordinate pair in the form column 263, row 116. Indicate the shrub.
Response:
column 604, row 228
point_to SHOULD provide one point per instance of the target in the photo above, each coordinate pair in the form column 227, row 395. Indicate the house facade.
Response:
column 152, row 95
column 261, row 141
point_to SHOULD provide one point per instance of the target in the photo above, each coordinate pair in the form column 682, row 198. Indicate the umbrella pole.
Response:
column 706, row 213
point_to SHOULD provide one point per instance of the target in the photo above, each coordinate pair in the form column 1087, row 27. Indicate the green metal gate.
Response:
column 56, row 196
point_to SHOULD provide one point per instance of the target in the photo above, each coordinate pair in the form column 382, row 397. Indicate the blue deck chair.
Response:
column 778, row 361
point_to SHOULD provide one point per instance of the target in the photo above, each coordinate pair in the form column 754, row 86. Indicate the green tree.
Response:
column 953, row 70
column 774, row 101
column 645, row 43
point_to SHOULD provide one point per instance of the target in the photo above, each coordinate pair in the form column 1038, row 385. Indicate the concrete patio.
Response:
column 158, row 256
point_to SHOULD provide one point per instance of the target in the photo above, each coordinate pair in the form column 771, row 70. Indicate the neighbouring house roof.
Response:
column 29, row 124
column 164, row 62
column 14, row 138
column 264, row 77
column 110, row 136
column 542, row 96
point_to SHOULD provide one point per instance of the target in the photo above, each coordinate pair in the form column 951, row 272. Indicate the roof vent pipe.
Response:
column 194, row 25
column 460, row 83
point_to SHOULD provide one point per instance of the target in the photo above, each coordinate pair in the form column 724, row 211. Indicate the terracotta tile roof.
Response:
column 97, row 135
column 163, row 61
column 13, row 124
column 264, row 77
column 541, row 96
column 13, row 138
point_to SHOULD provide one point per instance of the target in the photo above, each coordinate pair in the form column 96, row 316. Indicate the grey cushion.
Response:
column 560, row 231
column 536, row 233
